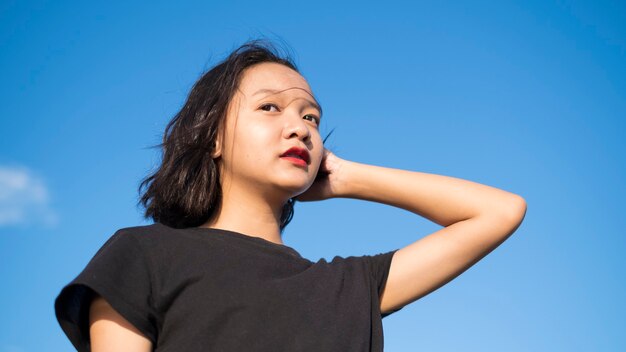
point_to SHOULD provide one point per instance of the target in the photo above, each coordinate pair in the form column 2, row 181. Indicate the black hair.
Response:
column 185, row 190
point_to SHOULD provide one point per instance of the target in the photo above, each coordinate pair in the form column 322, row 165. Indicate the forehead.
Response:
column 271, row 76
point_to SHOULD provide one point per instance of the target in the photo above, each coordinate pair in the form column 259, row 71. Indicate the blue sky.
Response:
column 527, row 96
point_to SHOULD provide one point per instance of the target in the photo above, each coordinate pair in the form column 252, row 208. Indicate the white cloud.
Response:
column 23, row 198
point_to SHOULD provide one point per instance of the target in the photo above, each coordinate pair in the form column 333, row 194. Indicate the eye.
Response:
column 313, row 118
column 269, row 106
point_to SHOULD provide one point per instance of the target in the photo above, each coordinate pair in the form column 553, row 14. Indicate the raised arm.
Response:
column 477, row 218
column 109, row 331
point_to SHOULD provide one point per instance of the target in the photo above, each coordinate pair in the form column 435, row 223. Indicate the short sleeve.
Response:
column 120, row 274
column 379, row 266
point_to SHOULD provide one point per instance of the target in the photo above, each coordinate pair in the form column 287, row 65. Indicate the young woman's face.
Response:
column 272, row 111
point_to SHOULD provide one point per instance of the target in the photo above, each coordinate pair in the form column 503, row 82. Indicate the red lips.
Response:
column 298, row 152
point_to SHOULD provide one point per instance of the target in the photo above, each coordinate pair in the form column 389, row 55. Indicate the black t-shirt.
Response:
column 201, row 289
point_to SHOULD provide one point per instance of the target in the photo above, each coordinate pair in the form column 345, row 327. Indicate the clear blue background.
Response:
column 527, row 96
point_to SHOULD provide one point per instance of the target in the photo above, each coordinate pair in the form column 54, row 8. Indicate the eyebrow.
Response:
column 314, row 104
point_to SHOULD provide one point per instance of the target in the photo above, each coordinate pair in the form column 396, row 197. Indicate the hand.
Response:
column 328, row 182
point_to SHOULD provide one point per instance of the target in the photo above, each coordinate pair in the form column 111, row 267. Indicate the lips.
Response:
column 298, row 153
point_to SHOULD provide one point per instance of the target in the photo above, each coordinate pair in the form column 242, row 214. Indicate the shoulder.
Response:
column 144, row 230
column 145, row 234
column 141, row 241
column 159, row 244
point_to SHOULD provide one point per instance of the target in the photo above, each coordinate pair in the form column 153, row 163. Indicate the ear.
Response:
column 217, row 149
column 217, row 146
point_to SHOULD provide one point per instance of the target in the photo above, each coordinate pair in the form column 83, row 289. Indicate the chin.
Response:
column 293, row 184
column 295, row 188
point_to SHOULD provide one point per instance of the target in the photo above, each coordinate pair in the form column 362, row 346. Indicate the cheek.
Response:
column 319, row 156
column 254, row 142
column 319, row 150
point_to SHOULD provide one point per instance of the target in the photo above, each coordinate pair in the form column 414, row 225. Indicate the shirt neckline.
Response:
column 248, row 238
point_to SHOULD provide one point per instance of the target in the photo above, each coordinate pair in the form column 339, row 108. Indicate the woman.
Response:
column 213, row 274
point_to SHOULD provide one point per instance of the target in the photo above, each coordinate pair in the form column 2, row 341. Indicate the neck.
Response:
column 249, row 213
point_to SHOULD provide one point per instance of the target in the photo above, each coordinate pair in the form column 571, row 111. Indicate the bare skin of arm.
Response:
column 109, row 331
column 476, row 219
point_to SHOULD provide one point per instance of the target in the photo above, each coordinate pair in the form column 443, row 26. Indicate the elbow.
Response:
column 505, row 222
column 519, row 207
column 515, row 211
column 505, row 218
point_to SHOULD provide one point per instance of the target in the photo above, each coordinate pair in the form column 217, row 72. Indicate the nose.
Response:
column 295, row 126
